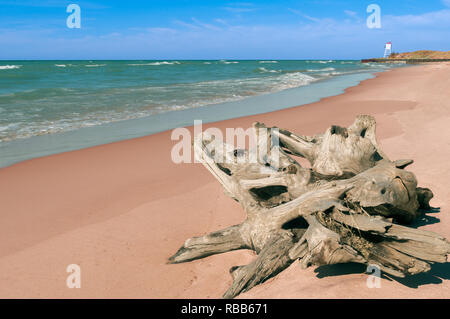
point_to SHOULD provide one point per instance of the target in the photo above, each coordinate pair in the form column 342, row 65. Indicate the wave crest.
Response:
column 264, row 70
column 155, row 63
column 9, row 67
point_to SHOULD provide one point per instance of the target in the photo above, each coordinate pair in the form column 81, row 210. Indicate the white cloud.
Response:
column 434, row 20
column 205, row 25
column 158, row 30
column 186, row 24
column 222, row 21
column 350, row 13
column 305, row 16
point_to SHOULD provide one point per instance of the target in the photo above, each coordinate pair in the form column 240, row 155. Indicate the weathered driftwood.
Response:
column 345, row 208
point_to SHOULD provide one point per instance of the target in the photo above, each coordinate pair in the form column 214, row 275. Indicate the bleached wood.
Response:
column 345, row 208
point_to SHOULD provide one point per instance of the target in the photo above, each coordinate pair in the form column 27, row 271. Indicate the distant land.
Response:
column 414, row 57
column 422, row 54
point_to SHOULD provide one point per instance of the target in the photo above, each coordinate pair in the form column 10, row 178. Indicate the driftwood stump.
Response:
column 347, row 207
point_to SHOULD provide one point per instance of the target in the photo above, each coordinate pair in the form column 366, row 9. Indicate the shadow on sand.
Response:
column 437, row 274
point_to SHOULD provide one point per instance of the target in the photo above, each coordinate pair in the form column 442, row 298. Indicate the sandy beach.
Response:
column 120, row 210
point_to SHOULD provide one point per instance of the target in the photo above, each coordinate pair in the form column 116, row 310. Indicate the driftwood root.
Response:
column 348, row 207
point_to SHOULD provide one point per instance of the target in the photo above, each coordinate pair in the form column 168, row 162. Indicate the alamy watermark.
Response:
column 74, row 279
column 374, row 278
column 262, row 143
column 74, row 19
column 374, row 19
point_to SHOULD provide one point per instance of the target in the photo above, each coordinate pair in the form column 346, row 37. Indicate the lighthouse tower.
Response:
column 388, row 49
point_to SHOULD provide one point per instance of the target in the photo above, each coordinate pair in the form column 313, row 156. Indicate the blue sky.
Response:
column 208, row 29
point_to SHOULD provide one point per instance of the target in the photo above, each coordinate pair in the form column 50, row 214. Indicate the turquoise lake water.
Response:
column 48, row 107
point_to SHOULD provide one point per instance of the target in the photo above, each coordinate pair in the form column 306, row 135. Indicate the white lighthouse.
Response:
column 387, row 49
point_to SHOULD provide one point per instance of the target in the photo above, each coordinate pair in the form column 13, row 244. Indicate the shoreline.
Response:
column 48, row 144
column 120, row 209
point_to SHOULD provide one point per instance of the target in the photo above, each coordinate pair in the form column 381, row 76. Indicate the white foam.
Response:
column 321, row 70
column 335, row 73
column 322, row 61
column 60, row 65
column 268, row 61
column 9, row 67
column 155, row 63
column 228, row 62
column 377, row 65
column 292, row 80
column 94, row 65
column 264, row 70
